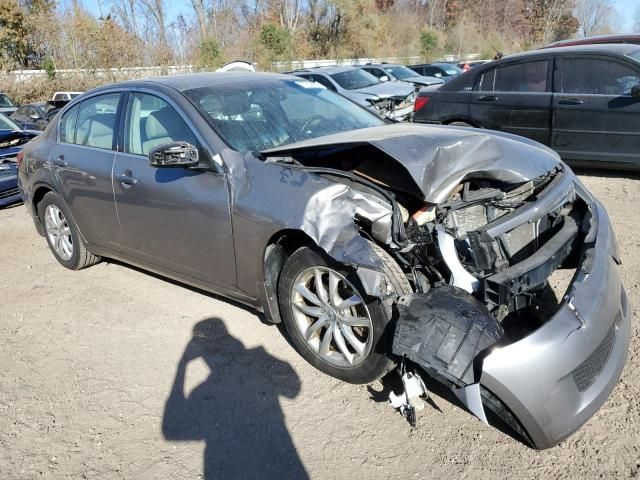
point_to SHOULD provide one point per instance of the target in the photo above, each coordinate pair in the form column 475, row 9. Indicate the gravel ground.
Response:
column 115, row 373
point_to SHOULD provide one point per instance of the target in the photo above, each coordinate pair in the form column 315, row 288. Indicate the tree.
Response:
column 276, row 39
column 594, row 16
column 209, row 53
column 636, row 19
column 429, row 43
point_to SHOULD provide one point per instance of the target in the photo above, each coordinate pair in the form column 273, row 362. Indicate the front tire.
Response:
column 331, row 321
column 62, row 234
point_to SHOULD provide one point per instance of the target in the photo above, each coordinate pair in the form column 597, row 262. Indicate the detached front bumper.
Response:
column 557, row 377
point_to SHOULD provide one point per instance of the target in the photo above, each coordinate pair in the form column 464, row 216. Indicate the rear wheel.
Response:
column 330, row 319
column 62, row 234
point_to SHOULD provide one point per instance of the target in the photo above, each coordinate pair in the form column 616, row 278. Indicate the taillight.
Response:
column 19, row 157
column 420, row 103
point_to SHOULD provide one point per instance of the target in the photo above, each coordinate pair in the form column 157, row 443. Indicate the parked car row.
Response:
column 583, row 101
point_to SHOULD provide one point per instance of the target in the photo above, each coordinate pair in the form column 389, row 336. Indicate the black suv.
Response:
column 582, row 101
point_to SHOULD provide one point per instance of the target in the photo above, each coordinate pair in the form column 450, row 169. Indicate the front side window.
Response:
column 96, row 124
column 588, row 76
column 152, row 122
column 68, row 125
column 522, row 77
column 256, row 115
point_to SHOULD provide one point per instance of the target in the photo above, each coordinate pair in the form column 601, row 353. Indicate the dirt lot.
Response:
column 95, row 366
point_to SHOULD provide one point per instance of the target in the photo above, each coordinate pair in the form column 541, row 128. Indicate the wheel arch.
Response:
column 38, row 194
column 464, row 120
column 279, row 247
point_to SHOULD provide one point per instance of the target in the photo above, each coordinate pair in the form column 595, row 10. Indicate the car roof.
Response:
column 597, row 39
column 381, row 65
column 329, row 70
column 615, row 48
column 188, row 81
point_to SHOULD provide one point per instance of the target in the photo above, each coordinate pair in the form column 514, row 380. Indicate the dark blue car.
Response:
column 12, row 138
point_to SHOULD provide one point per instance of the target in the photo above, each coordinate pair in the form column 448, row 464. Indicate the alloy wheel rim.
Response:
column 58, row 232
column 332, row 317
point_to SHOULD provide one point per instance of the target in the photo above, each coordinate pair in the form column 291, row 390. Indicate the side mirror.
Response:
column 34, row 116
column 635, row 91
column 174, row 154
column 437, row 75
column 384, row 78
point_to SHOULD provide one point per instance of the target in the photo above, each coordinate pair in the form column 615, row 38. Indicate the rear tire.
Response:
column 62, row 234
column 350, row 343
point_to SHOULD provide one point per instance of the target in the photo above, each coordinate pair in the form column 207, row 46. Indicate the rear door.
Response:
column 515, row 98
column 595, row 118
column 81, row 164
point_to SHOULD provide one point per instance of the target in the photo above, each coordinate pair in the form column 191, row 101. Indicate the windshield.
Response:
column 401, row 72
column 7, row 124
column 5, row 102
column 355, row 79
column 260, row 114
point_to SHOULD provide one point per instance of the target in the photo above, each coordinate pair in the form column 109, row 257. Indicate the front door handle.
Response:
column 126, row 179
column 487, row 98
column 570, row 101
column 60, row 161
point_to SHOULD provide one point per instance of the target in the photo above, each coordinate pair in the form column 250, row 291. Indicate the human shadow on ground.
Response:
column 235, row 411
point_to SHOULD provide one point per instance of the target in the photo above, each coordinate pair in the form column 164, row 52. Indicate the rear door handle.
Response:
column 570, row 101
column 126, row 179
column 487, row 98
column 60, row 161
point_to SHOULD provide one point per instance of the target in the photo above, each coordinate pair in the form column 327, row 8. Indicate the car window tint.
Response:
column 22, row 111
column 97, row 121
column 152, row 122
column 323, row 81
column 597, row 77
column 68, row 125
column 486, row 81
column 255, row 115
column 375, row 71
column 522, row 77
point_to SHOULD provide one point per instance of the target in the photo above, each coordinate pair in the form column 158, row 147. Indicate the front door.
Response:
column 595, row 118
column 81, row 164
column 515, row 98
column 177, row 219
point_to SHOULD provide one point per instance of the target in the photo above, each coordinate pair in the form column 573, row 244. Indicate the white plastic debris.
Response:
column 410, row 400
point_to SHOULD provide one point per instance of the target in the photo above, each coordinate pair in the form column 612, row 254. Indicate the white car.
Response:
column 65, row 95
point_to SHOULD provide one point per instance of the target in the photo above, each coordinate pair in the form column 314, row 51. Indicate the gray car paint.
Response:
column 529, row 376
column 438, row 158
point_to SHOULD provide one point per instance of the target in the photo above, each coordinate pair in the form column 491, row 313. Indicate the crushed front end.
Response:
column 543, row 364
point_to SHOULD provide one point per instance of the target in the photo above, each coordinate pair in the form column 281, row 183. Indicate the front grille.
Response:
column 588, row 371
column 9, row 193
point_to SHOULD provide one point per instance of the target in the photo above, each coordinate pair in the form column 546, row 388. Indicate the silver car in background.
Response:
column 373, row 243
column 389, row 99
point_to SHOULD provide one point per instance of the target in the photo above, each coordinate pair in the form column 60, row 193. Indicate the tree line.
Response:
column 51, row 35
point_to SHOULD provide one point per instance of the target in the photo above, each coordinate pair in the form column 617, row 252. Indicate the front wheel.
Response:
column 331, row 321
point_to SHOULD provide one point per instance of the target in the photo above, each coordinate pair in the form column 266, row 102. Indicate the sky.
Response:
column 625, row 9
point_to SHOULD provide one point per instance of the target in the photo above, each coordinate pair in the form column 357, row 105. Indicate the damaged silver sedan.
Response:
column 373, row 243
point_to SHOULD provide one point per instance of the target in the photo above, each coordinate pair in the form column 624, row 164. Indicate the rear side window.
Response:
column 96, row 124
column 522, row 77
column 68, row 125
column 590, row 76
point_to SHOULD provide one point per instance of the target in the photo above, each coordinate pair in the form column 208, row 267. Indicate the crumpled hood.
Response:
column 387, row 89
column 438, row 158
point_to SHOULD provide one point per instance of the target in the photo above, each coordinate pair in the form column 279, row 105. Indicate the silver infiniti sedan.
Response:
column 372, row 243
